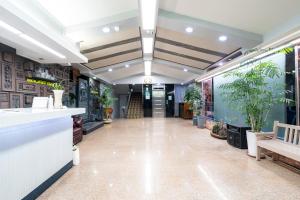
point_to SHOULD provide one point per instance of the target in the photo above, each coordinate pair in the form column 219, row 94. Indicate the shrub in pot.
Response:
column 251, row 95
column 194, row 99
column 106, row 99
column 219, row 130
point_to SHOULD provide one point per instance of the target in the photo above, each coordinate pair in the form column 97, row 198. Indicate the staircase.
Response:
column 135, row 107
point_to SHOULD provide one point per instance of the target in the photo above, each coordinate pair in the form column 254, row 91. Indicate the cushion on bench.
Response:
column 282, row 148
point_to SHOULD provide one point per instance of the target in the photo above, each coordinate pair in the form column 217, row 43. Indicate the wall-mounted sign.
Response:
column 39, row 82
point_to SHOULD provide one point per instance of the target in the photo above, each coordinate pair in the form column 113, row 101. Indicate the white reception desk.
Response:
column 35, row 149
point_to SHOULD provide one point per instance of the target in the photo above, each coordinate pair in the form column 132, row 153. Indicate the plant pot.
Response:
column 58, row 98
column 108, row 113
column 194, row 120
column 201, row 120
column 251, row 140
column 76, row 156
column 215, row 135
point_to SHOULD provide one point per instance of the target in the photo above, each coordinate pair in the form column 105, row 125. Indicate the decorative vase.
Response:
column 108, row 112
column 58, row 98
column 201, row 121
column 194, row 120
column 251, row 141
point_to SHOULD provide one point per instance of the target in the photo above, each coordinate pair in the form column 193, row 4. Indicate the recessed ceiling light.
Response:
column 95, row 77
column 185, row 70
column 106, row 29
column 181, row 83
column 223, row 38
column 189, row 29
column 110, row 69
column 221, row 64
column 117, row 28
column 126, row 65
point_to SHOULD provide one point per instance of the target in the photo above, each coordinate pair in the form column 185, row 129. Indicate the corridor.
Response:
column 168, row 159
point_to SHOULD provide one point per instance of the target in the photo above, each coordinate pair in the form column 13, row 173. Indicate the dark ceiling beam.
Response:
column 136, row 39
column 187, row 65
column 225, row 58
column 114, row 55
column 191, row 47
column 183, row 56
column 113, row 65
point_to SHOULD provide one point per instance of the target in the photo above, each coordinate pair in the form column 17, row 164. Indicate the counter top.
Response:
column 13, row 117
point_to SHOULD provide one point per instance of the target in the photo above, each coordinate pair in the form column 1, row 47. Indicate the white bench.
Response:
column 288, row 147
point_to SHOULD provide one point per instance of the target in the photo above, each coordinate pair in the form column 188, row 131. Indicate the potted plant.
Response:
column 194, row 99
column 219, row 131
column 58, row 91
column 251, row 94
column 107, row 100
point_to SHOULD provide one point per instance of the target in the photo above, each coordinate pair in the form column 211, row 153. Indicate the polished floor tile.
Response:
column 168, row 159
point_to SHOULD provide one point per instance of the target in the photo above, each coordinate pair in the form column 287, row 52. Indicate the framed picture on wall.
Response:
column 19, row 64
column 28, row 66
column 4, row 100
column 23, row 86
column 8, row 57
column 16, row 100
column 8, row 77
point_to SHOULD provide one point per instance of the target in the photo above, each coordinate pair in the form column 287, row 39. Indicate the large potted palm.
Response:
column 106, row 99
column 194, row 99
column 250, row 94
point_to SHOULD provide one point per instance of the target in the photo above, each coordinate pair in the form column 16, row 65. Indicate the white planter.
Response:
column 251, row 140
column 58, row 98
column 76, row 156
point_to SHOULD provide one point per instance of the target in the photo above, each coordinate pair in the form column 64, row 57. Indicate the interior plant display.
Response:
column 106, row 99
column 58, row 91
column 250, row 94
column 194, row 99
column 219, row 130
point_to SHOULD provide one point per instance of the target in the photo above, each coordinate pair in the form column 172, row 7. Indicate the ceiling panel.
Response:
column 185, row 51
column 201, row 42
column 113, row 49
column 180, row 60
column 254, row 16
column 80, row 11
column 95, row 40
column 115, row 60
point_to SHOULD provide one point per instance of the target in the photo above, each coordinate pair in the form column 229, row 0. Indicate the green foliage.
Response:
column 251, row 94
column 193, row 98
column 106, row 98
column 57, row 86
column 216, row 128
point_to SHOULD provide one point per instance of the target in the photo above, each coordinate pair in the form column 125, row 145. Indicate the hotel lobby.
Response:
column 149, row 99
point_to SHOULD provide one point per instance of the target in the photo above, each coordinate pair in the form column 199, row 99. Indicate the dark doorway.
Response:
column 147, row 98
column 170, row 100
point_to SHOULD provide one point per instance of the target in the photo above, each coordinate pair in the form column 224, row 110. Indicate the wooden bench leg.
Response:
column 258, row 153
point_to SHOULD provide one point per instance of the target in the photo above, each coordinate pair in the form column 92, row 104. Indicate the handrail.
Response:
column 129, row 98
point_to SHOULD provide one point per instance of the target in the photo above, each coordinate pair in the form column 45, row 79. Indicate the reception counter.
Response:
column 35, row 150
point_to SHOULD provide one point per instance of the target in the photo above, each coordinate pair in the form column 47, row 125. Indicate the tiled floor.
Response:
column 168, row 159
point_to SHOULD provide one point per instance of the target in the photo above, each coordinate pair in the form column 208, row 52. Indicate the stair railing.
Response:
column 127, row 106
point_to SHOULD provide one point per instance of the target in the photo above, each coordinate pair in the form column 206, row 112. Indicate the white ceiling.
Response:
column 72, row 12
column 257, row 16
column 62, row 24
